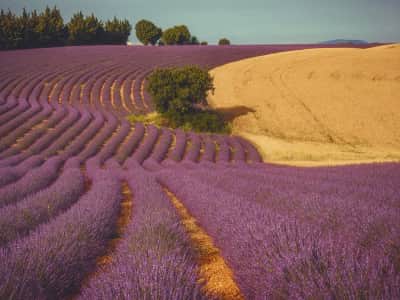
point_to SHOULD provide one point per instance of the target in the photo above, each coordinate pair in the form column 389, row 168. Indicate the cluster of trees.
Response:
column 47, row 29
column 179, row 95
column 149, row 34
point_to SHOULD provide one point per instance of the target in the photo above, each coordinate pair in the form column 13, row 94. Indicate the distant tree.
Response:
column 85, row 30
column 50, row 28
column 147, row 32
column 194, row 40
column 117, row 31
column 204, row 43
column 224, row 41
column 177, row 35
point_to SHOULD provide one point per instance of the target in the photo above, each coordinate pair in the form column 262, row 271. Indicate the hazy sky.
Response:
column 248, row 21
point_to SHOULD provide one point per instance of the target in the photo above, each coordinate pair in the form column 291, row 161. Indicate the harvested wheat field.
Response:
column 316, row 106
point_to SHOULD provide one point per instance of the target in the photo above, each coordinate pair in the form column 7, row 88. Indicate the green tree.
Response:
column 50, row 28
column 224, row 41
column 147, row 32
column 117, row 31
column 85, row 30
column 177, row 35
column 194, row 40
column 179, row 89
column 204, row 43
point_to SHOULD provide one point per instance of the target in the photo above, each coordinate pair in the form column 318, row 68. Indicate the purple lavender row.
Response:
column 252, row 153
column 35, row 134
column 193, row 152
column 286, row 240
column 180, row 145
column 238, row 155
column 45, row 140
column 145, row 148
column 19, row 219
column 112, row 145
column 32, row 182
column 154, row 259
column 224, row 152
column 19, row 109
column 131, row 144
column 9, row 105
column 82, row 139
column 161, row 149
column 19, row 119
column 19, row 131
column 99, row 139
column 209, row 149
column 69, row 135
column 44, row 265
column 11, row 174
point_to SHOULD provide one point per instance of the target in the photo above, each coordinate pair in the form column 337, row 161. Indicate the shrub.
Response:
column 179, row 89
column 204, row 43
column 147, row 32
column 224, row 41
column 179, row 93
column 177, row 35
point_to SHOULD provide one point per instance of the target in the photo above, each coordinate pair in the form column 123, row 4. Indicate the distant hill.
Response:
column 344, row 41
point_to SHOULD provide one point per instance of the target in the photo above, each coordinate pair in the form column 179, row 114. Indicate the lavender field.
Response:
column 94, row 207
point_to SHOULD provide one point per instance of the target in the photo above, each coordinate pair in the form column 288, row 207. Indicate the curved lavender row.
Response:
column 252, row 153
column 238, row 155
column 209, row 151
column 154, row 259
column 12, row 136
column 298, row 244
column 18, row 220
column 82, row 139
column 44, row 265
column 131, row 144
column 98, row 141
column 21, row 118
column 224, row 151
column 180, row 145
column 69, row 135
column 35, row 134
column 19, row 109
column 45, row 140
column 161, row 149
column 32, row 182
column 9, row 105
column 145, row 148
column 11, row 174
column 112, row 145
column 194, row 149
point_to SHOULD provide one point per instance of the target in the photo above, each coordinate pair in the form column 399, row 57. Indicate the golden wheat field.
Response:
column 316, row 106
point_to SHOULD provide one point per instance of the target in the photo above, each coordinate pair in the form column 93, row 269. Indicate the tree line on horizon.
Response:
column 47, row 29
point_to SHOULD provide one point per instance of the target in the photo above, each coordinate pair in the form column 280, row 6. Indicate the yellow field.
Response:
column 316, row 107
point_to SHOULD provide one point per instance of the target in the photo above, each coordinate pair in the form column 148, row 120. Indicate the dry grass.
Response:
column 318, row 106
column 216, row 274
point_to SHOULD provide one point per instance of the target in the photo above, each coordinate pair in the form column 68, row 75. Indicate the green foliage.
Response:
column 204, row 43
column 224, row 41
column 177, row 35
column 179, row 89
column 147, row 32
column 85, row 30
column 117, row 31
column 50, row 28
column 179, row 93
column 194, row 41
column 47, row 29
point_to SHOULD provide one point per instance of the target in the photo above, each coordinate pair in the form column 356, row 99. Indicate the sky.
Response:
column 247, row 21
